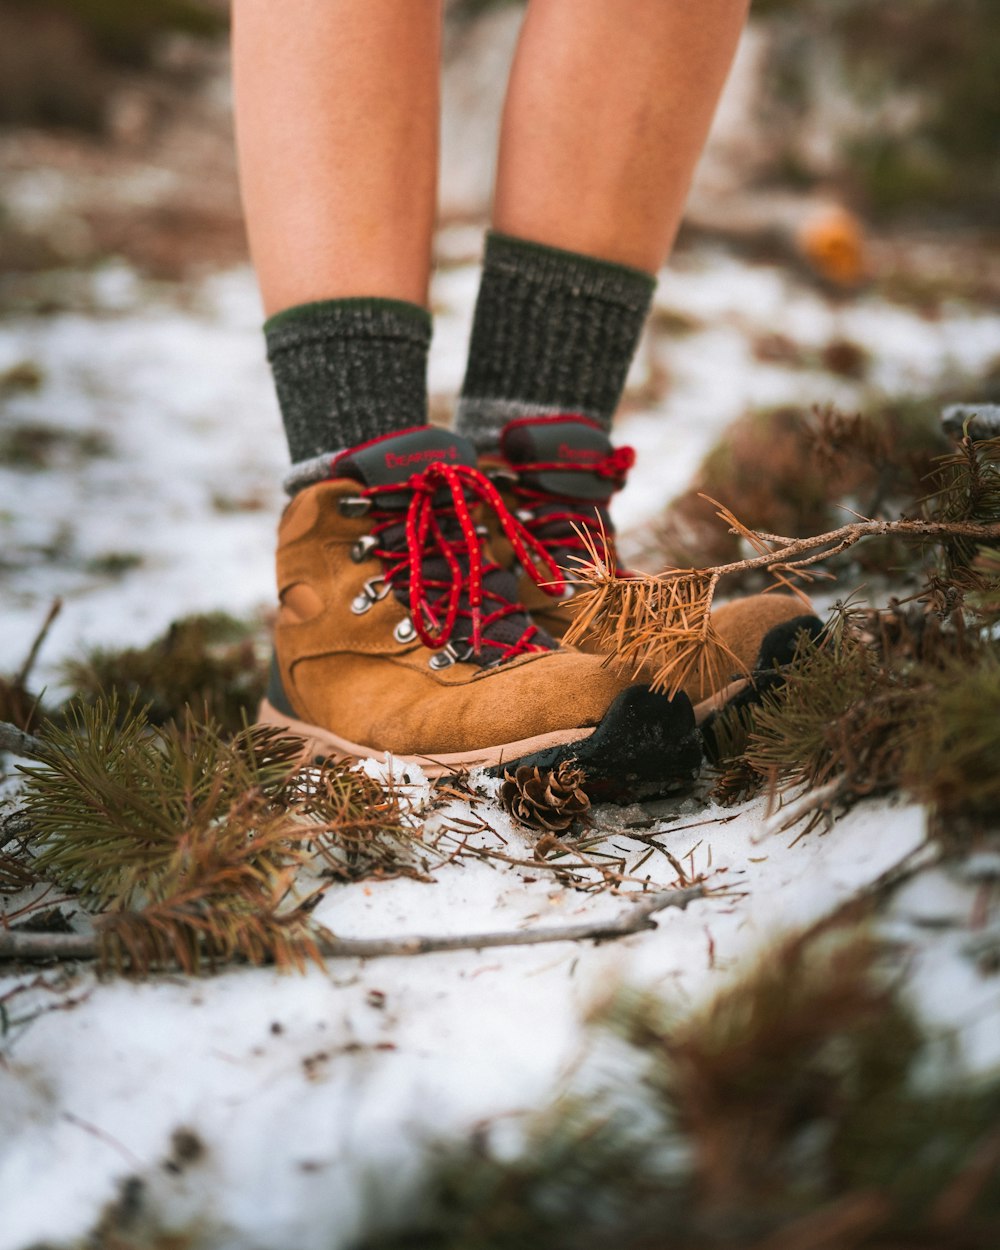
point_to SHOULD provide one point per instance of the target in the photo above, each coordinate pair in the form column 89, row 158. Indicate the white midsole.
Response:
column 716, row 702
column 322, row 742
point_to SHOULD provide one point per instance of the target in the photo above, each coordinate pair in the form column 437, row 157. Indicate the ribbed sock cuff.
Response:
column 348, row 370
column 554, row 331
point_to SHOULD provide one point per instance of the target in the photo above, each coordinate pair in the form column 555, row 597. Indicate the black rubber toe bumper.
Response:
column 645, row 745
column 778, row 649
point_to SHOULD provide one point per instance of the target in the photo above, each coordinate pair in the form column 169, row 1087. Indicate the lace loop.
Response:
column 614, row 465
column 446, row 490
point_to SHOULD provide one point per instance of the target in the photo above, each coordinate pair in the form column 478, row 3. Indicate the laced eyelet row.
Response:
column 439, row 526
column 539, row 509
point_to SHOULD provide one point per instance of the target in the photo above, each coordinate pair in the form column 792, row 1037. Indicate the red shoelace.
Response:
column 574, row 518
column 439, row 492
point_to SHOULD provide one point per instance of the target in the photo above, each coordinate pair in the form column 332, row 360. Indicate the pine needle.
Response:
column 658, row 626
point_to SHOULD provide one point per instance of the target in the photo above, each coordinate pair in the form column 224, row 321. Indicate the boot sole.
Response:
column 777, row 651
column 322, row 742
column 645, row 745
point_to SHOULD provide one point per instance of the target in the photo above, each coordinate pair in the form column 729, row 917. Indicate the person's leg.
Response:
column 337, row 132
column 607, row 110
column 337, row 129
column 608, row 107
column 394, row 627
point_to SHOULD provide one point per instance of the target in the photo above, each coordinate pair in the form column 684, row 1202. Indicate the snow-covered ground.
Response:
column 318, row 1101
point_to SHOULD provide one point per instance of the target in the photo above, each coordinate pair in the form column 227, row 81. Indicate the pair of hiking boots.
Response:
column 408, row 625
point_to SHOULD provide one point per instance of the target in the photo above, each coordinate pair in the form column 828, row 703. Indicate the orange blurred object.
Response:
column 833, row 244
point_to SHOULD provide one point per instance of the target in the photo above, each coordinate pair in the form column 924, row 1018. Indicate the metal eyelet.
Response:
column 369, row 595
column 524, row 514
column 354, row 505
column 405, row 630
column 502, row 477
column 449, row 655
column 363, row 548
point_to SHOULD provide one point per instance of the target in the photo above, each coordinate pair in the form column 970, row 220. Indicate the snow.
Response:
column 322, row 1100
column 311, row 1128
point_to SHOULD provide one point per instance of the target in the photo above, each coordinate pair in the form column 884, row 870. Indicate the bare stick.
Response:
column 836, row 541
column 37, row 947
column 17, row 741
column 36, row 646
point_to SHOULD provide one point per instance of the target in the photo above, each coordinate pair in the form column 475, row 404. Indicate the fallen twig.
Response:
column 817, row 799
column 36, row 947
column 17, row 741
column 36, row 646
column 790, row 554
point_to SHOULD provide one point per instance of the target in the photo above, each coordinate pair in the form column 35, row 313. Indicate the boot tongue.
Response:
column 395, row 459
column 560, row 440
column 392, row 461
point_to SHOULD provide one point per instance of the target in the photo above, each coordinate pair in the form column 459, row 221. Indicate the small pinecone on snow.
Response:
column 543, row 798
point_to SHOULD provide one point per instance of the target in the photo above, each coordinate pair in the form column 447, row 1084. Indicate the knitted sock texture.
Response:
column 348, row 370
column 554, row 332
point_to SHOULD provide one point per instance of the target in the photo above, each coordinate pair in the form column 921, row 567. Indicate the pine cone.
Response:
column 543, row 798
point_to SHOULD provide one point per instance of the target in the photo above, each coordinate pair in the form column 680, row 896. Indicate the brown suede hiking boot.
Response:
column 558, row 474
column 397, row 632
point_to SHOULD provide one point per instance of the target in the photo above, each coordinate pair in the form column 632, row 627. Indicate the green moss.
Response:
column 208, row 663
column 32, row 445
column 114, row 563
column 672, row 323
column 24, row 376
column 895, row 176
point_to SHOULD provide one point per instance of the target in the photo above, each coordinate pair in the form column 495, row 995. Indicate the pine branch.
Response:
column 817, row 800
column 662, row 622
column 39, row 947
column 659, row 624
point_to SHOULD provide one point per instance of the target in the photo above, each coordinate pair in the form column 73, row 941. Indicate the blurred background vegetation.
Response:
column 895, row 102
column 909, row 89
column 58, row 58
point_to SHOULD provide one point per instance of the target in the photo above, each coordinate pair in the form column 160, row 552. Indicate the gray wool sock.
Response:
column 554, row 332
column 348, row 370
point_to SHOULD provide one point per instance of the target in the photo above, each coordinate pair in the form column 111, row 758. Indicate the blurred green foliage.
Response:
column 797, row 1110
column 124, row 30
column 945, row 54
column 208, row 663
